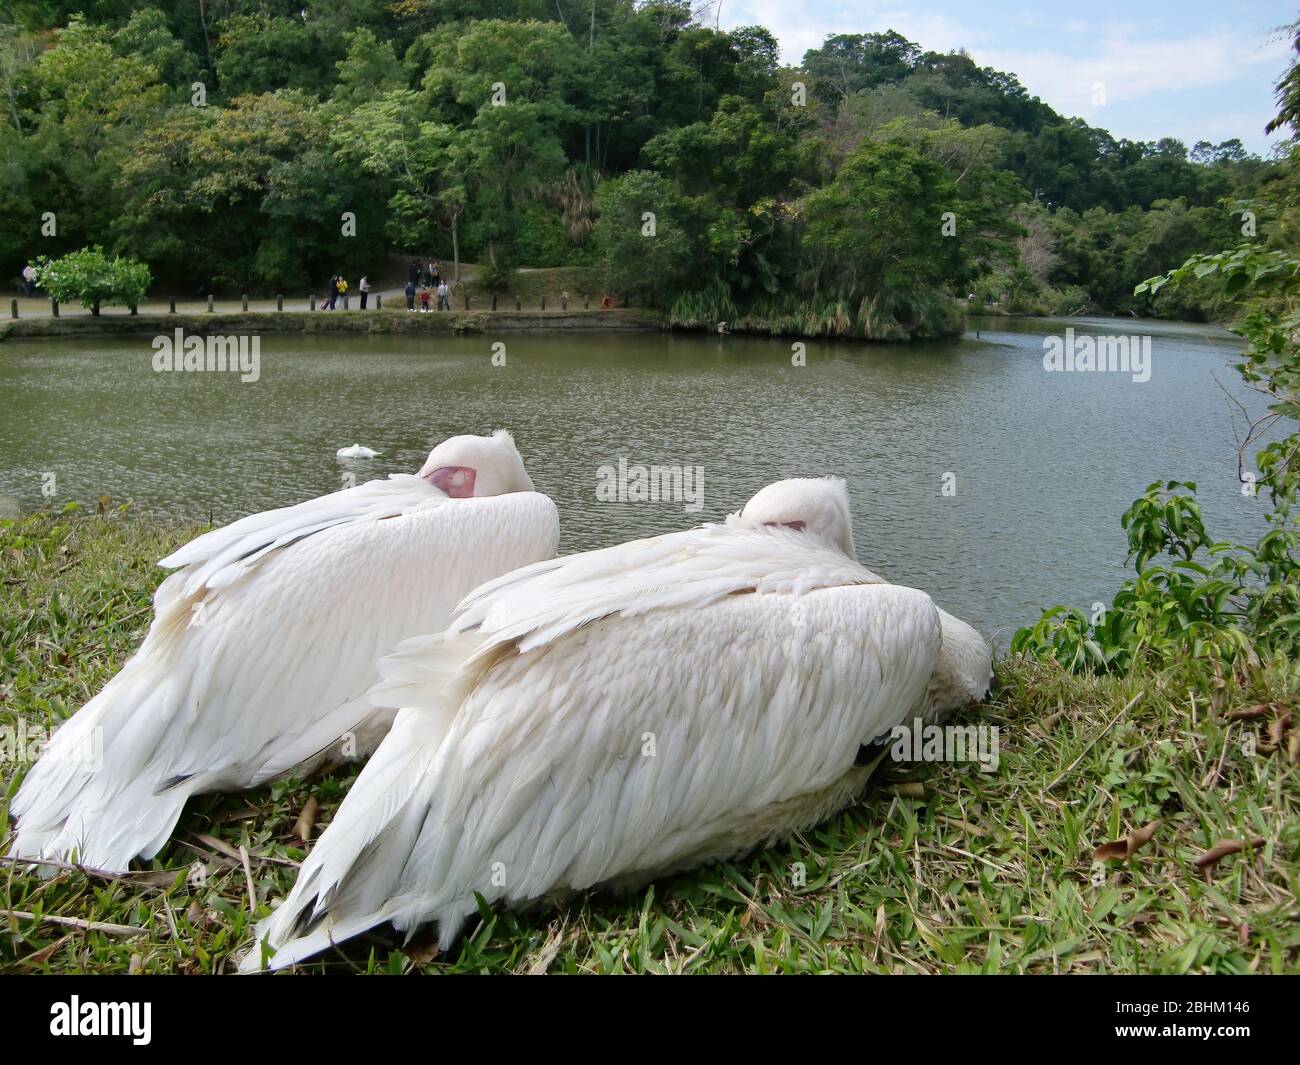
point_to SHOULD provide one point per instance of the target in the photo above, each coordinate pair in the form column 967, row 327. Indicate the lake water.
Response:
column 1043, row 463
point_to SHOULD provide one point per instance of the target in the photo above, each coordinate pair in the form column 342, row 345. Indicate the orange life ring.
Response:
column 608, row 302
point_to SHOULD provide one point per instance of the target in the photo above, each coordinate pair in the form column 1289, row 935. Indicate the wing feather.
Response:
column 635, row 744
column 219, row 558
column 239, row 683
column 687, row 570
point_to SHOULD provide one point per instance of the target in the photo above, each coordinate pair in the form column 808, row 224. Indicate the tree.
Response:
column 255, row 186
column 260, row 53
column 502, row 89
column 890, row 235
column 370, row 69
column 481, row 129
column 740, row 155
column 1287, row 90
column 847, row 63
column 148, row 36
column 92, row 104
column 1036, row 248
column 17, row 52
column 423, row 161
column 93, row 278
column 641, row 234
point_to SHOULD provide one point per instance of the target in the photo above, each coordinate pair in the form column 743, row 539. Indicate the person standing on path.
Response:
column 444, row 296
column 410, row 295
column 364, row 286
column 29, row 280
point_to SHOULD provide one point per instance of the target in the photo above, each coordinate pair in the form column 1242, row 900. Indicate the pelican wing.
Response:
column 261, row 658
column 691, row 569
column 631, row 746
column 220, row 557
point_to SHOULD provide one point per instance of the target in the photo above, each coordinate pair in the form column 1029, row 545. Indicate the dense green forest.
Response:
column 223, row 142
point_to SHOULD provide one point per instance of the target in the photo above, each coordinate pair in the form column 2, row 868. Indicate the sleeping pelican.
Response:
column 265, row 641
column 618, row 715
column 356, row 451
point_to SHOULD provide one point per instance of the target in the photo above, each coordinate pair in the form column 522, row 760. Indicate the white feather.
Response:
column 260, row 653
column 755, row 660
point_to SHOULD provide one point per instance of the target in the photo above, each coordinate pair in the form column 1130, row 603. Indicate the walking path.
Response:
column 393, row 299
column 39, row 306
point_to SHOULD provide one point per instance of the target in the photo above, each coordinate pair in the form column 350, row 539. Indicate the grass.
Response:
column 884, row 316
column 531, row 285
column 940, row 868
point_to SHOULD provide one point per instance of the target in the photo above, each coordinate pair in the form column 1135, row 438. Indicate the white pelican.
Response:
column 356, row 451
column 621, row 714
column 264, row 643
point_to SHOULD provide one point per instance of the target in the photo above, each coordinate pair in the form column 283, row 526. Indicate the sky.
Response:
column 1191, row 69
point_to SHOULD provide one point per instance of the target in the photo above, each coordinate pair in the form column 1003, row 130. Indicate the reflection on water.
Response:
column 1043, row 463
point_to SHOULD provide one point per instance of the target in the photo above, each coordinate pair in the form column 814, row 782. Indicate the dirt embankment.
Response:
column 386, row 321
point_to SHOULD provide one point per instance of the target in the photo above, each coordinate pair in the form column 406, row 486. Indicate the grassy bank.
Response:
column 530, row 286
column 887, row 316
column 940, row 868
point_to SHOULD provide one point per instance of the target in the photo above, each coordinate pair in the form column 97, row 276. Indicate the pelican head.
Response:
column 464, row 466
column 819, row 505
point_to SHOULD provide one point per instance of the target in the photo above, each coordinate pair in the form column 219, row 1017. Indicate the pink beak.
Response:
column 456, row 481
column 788, row 524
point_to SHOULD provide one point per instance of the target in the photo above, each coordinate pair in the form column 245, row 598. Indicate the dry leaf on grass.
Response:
column 306, row 823
column 1050, row 721
column 548, row 952
column 965, row 826
column 1122, row 849
column 1277, row 729
column 218, row 845
column 46, row 953
column 913, row 789
column 1222, row 849
column 1249, row 713
column 423, row 949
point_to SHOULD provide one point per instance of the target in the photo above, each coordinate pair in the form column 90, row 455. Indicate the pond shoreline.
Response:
column 401, row 322
column 240, row 323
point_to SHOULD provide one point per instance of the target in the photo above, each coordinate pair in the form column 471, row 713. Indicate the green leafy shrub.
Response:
column 641, row 235
column 93, row 278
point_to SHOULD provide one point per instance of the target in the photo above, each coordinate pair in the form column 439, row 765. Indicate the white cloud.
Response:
column 798, row 30
column 1156, row 72
column 1133, row 68
column 1190, row 127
